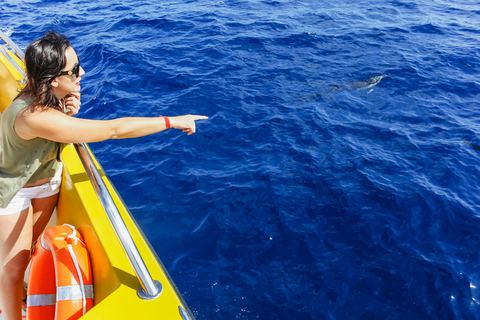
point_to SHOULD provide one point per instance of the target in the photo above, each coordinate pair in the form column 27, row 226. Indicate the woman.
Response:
column 34, row 129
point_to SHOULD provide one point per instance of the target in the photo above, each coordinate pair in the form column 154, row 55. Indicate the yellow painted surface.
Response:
column 115, row 283
column 9, row 78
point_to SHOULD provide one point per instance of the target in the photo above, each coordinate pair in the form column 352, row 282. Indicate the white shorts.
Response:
column 23, row 198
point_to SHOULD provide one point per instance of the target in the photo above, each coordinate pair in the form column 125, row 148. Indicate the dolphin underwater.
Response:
column 471, row 144
column 369, row 83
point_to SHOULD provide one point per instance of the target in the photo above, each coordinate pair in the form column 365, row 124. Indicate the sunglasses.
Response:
column 75, row 70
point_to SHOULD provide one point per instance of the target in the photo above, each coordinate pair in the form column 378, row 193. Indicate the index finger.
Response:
column 76, row 94
column 196, row 117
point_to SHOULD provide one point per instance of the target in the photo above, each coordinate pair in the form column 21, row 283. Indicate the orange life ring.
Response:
column 60, row 284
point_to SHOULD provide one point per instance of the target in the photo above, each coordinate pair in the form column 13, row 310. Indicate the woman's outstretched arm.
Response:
column 56, row 126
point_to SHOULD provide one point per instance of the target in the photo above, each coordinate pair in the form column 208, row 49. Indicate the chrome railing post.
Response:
column 150, row 289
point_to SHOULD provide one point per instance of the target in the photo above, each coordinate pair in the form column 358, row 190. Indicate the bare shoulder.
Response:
column 30, row 121
column 38, row 114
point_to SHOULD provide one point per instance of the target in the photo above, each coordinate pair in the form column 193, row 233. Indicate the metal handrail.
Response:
column 13, row 62
column 18, row 52
column 12, row 45
column 150, row 289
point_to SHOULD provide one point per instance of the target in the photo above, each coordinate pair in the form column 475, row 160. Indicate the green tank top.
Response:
column 23, row 161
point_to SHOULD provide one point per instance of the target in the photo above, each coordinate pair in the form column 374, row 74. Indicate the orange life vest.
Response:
column 60, row 284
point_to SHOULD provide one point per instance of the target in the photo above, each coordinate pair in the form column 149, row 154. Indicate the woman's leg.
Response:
column 42, row 212
column 17, row 232
column 15, row 244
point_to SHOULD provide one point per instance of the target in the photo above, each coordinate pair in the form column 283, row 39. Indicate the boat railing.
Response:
column 17, row 51
column 149, row 288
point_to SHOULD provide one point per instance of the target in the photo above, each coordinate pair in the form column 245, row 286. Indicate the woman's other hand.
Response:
column 72, row 103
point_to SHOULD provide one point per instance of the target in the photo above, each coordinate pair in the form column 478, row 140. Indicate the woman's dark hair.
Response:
column 44, row 59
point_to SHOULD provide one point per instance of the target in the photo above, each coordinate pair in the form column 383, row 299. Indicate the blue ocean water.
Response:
column 293, row 201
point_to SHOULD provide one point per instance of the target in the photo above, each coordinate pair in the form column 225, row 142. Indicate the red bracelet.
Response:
column 167, row 122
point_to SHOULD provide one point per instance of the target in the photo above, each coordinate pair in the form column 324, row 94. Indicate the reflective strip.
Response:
column 74, row 292
column 41, row 300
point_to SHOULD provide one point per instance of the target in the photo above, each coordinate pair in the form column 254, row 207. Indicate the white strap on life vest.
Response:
column 77, row 267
